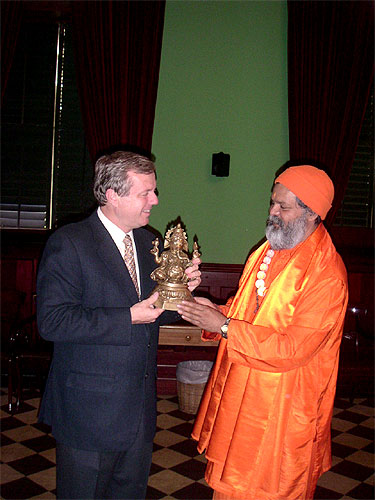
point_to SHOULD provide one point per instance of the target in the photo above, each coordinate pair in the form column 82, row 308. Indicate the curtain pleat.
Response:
column 11, row 17
column 118, row 50
column 330, row 73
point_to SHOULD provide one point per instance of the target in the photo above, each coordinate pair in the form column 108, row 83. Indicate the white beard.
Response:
column 286, row 235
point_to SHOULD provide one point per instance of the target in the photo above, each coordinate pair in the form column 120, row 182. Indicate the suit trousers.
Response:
column 82, row 474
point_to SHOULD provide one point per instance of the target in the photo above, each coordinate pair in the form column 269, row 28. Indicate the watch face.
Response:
column 224, row 328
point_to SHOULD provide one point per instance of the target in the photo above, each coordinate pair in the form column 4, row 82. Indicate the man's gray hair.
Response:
column 111, row 172
column 308, row 210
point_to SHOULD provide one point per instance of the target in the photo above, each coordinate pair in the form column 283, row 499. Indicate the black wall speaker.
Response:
column 220, row 164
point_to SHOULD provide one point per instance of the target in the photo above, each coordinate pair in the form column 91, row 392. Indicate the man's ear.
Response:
column 112, row 197
column 313, row 217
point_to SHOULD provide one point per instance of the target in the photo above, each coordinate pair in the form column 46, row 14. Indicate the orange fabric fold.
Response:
column 265, row 416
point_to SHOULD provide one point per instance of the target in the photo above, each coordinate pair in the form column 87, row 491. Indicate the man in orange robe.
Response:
column 264, row 420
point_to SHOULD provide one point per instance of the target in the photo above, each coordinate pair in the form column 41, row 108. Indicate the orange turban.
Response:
column 311, row 185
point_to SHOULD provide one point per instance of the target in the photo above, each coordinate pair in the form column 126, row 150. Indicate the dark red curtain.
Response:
column 330, row 73
column 11, row 16
column 118, row 48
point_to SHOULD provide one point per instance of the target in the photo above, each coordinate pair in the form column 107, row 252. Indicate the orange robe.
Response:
column 265, row 417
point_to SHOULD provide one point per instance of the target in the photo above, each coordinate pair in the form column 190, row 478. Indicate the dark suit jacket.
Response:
column 103, row 373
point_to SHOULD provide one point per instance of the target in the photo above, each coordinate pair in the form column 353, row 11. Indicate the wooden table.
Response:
column 182, row 333
column 179, row 342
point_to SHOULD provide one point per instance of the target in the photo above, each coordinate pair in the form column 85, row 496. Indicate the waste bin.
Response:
column 191, row 378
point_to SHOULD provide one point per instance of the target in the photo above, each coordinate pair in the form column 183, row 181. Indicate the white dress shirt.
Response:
column 118, row 236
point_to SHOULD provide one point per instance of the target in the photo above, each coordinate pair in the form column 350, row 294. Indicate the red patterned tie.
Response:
column 129, row 261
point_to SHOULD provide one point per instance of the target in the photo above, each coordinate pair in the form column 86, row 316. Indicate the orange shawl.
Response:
column 264, row 420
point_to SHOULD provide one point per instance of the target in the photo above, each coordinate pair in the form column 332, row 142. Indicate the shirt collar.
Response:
column 117, row 234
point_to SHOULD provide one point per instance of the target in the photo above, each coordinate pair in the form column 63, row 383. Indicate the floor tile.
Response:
column 363, row 491
column 322, row 493
column 352, row 440
column 177, row 472
column 21, row 489
column 337, row 482
column 40, row 443
column 31, row 464
column 4, row 440
column 370, row 423
column 342, row 425
column 45, row 478
column 371, row 480
column 44, row 496
column 195, row 490
column 183, row 429
column 352, row 470
column 166, row 421
column 22, row 433
column 8, row 474
column 49, row 454
column 9, row 423
column 342, row 404
column 362, row 431
column 187, row 446
column 192, row 469
column 362, row 457
column 201, row 458
column 165, row 406
column 14, row 451
column 188, row 417
column 340, row 450
column 168, row 438
column 363, row 410
column 168, row 458
column 29, row 417
column 351, row 416
column 168, row 481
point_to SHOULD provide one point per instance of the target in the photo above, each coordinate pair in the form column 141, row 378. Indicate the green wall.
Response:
column 222, row 87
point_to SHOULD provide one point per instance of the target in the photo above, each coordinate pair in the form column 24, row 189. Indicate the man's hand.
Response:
column 145, row 311
column 202, row 313
column 194, row 274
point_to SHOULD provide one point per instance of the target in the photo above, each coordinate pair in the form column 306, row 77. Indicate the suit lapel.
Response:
column 110, row 255
column 145, row 263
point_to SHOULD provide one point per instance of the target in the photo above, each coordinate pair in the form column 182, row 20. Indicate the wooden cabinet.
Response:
column 182, row 334
column 180, row 342
column 20, row 253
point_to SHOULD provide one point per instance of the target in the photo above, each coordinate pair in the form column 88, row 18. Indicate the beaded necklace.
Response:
column 260, row 288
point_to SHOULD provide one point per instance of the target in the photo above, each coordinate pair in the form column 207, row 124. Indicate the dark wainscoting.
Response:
column 21, row 251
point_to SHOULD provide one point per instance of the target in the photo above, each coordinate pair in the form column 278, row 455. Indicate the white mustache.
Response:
column 273, row 219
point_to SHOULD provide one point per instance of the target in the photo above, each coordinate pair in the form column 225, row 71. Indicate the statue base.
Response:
column 172, row 294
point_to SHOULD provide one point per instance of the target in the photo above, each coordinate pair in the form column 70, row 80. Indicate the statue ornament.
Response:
column 170, row 275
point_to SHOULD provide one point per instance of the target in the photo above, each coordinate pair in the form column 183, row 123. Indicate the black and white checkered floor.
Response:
column 28, row 454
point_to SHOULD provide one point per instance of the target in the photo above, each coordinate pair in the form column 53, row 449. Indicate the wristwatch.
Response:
column 224, row 328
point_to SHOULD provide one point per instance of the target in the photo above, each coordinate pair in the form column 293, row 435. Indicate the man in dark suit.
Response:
column 97, row 308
